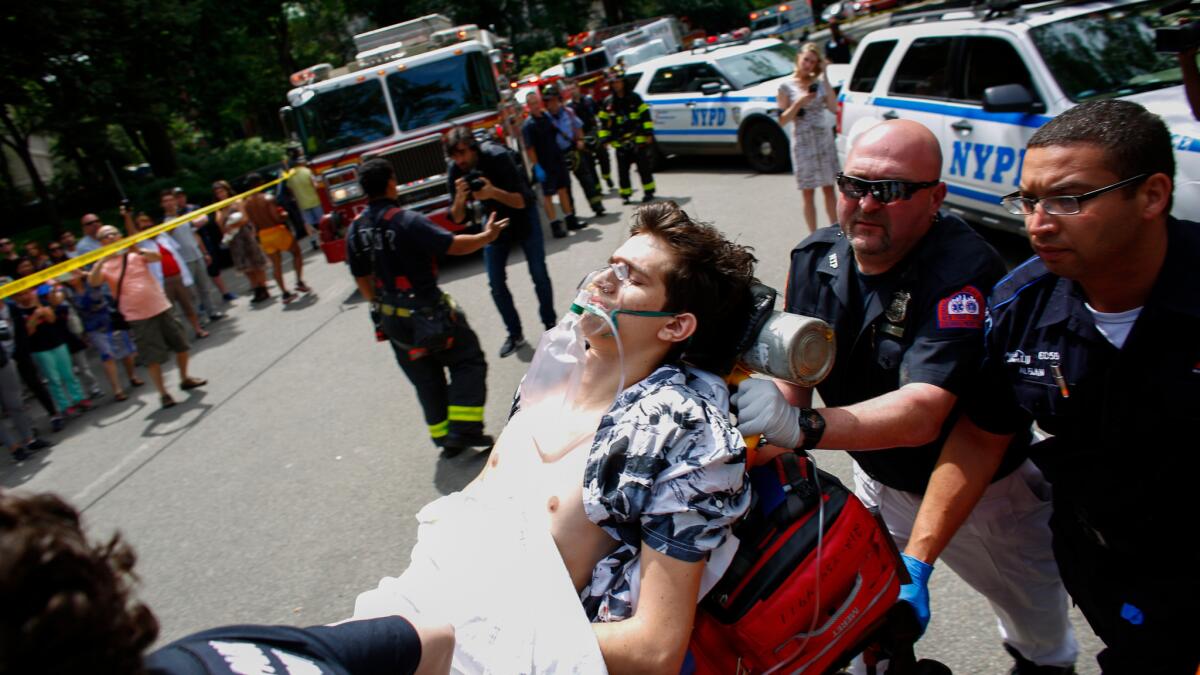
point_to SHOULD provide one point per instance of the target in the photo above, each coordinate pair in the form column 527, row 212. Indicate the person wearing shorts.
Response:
column 94, row 306
column 303, row 187
column 549, row 166
column 244, row 251
column 274, row 237
column 140, row 298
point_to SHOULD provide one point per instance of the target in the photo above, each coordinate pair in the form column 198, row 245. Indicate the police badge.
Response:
column 896, row 312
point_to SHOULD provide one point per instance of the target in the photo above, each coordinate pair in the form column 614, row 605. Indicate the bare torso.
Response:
column 541, row 458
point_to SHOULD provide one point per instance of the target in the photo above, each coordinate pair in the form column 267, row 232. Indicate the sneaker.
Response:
column 574, row 223
column 57, row 423
column 288, row 297
column 511, row 344
column 303, row 287
column 260, row 295
column 230, row 297
column 648, row 197
column 96, row 394
column 37, row 444
column 20, row 455
column 86, row 405
column 1023, row 666
column 626, row 200
column 216, row 316
column 557, row 229
column 73, row 411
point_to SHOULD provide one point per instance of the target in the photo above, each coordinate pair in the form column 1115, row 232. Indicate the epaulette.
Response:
column 1023, row 276
column 824, row 235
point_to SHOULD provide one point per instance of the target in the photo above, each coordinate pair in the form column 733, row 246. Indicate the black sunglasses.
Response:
column 885, row 191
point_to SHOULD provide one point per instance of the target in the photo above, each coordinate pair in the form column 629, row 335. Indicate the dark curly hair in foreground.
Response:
column 711, row 277
column 65, row 603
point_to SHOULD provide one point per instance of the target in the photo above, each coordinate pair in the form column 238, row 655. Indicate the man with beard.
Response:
column 904, row 286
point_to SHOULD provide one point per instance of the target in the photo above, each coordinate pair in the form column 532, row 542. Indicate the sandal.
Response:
column 192, row 383
column 167, row 401
column 121, row 396
column 136, row 382
column 201, row 334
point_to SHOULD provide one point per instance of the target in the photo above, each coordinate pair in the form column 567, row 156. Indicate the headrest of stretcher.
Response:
column 719, row 351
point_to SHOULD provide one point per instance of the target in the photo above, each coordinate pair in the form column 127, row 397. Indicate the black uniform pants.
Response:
column 628, row 155
column 451, row 407
column 1141, row 603
column 585, row 173
column 598, row 152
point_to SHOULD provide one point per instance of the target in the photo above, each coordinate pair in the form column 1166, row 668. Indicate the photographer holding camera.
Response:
column 486, row 178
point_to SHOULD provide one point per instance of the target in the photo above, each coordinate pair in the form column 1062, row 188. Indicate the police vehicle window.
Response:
column 760, row 65
column 870, row 64
column 989, row 62
column 924, row 69
column 435, row 92
column 339, row 118
column 1107, row 53
column 700, row 73
column 669, row 80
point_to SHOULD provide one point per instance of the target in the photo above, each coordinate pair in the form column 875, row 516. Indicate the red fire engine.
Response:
column 408, row 84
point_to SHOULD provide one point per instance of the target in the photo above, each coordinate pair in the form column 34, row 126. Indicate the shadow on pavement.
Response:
column 453, row 474
column 302, row 303
column 163, row 422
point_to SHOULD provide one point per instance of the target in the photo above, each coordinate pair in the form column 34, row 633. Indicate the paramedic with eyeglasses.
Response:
column 904, row 288
column 1097, row 339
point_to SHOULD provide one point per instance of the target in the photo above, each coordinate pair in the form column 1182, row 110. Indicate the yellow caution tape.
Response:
column 39, row 278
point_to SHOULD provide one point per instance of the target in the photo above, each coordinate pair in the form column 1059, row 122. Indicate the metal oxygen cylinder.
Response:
column 792, row 347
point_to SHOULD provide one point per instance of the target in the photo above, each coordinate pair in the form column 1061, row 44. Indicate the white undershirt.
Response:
column 1114, row 326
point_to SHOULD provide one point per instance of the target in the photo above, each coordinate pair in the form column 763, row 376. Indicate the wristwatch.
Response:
column 812, row 427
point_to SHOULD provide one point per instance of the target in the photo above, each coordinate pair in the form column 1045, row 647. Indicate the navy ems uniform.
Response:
column 626, row 125
column 386, row 645
column 922, row 322
column 400, row 248
column 1123, row 448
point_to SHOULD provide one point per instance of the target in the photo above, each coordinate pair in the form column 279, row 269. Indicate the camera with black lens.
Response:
column 474, row 180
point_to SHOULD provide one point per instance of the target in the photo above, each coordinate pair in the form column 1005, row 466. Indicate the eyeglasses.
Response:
column 91, row 222
column 884, row 191
column 1064, row 205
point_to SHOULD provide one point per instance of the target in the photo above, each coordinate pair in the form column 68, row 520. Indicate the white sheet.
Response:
column 492, row 570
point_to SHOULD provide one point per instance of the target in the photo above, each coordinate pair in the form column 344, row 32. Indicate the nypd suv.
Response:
column 719, row 99
column 983, row 82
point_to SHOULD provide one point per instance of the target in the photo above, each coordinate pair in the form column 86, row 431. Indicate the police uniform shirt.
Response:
column 388, row 645
column 497, row 163
column 585, row 109
column 1123, row 420
column 406, row 246
column 921, row 322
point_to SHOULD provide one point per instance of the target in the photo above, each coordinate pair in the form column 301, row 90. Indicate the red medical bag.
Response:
column 783, row 606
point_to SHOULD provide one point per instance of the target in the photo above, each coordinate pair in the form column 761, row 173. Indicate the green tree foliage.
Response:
column 539, row 61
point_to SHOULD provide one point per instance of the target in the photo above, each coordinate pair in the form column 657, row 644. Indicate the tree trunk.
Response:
column 160, row 151
column 283, row 43
column 19, row 142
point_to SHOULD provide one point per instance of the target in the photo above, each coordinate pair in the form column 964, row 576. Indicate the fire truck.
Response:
column 407, row 85
column 592, row 52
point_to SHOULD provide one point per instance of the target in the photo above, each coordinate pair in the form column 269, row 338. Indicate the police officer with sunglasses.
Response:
column 904, row 287
column 1097, row 339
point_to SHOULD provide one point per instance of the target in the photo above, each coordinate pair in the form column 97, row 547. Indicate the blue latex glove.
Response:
column 539, row 174
column 917, row 592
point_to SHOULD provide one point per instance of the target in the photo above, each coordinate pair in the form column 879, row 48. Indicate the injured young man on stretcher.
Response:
column 605, row 510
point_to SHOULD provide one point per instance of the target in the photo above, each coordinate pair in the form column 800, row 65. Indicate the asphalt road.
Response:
column 288, row 485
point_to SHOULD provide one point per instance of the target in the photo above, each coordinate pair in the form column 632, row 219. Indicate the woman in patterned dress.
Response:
column 814, row 157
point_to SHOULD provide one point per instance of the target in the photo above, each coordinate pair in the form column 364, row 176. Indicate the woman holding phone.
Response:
column 801, row 101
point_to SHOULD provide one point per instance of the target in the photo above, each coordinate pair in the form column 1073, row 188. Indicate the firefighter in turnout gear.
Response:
column 392, row 253
column 626, row 125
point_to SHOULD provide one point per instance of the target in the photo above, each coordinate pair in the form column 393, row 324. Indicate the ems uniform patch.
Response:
column 962, row 309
